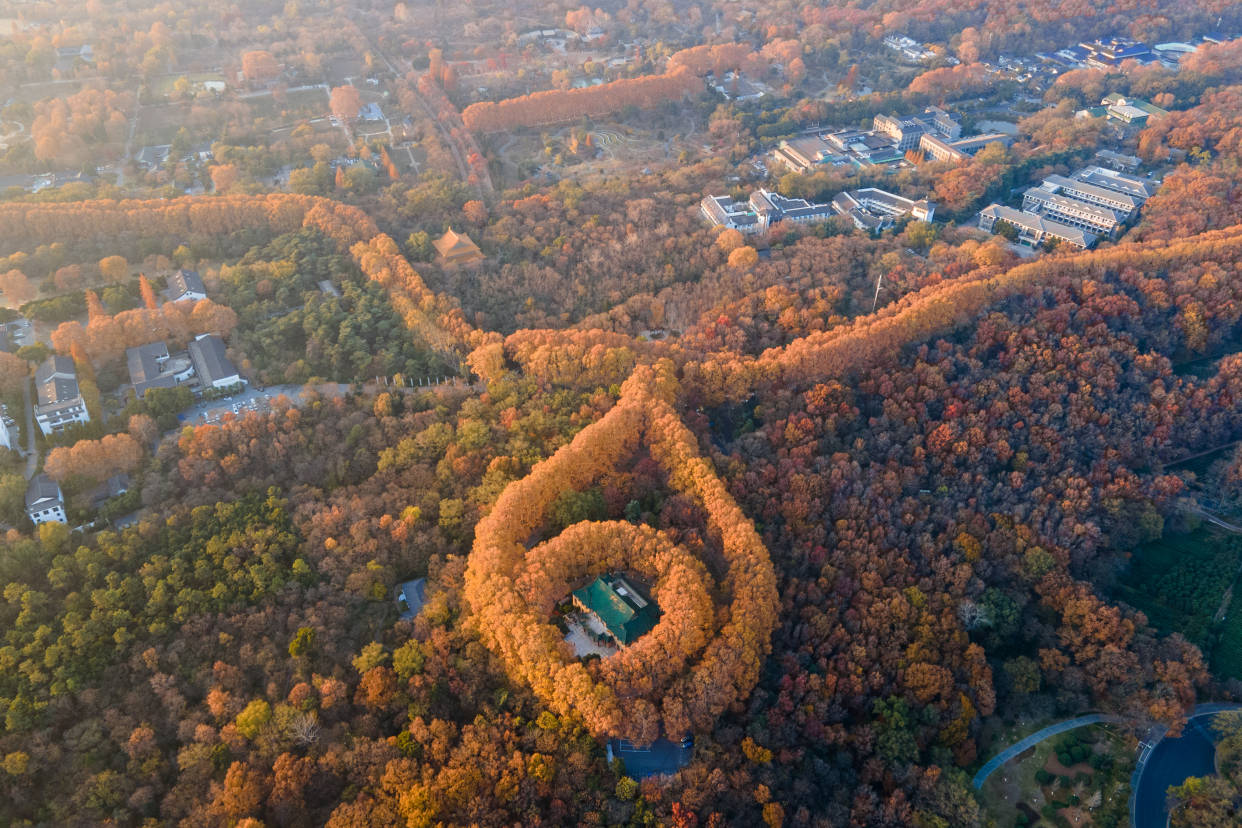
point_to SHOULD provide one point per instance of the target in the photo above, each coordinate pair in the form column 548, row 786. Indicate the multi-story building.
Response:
column 60, row 402
column 908, row 131
column 905, row 132
column 845, row 147
column 1093, row 202
column 1110, row 53
column 1137, row 188
column 44, row 501
column 725, row 212
column 185, row 286
column 773, row 207
column 214, row 368
column 1033, row 229
column 873, row 210
column 1095, row 218
column 151, row 366
column 764, row 209
column 1119, row 162
column 935, row 148
column 1126, row 205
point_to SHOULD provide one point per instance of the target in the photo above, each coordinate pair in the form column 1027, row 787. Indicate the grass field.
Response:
column 302, row 103
column 164, row 86
column 1014, row 788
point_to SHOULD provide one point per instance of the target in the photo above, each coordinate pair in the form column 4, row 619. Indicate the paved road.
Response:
column 1035, row 738
column 1165, row 762
column 32, row 456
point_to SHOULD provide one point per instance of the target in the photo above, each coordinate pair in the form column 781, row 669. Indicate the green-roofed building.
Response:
column 619, row 606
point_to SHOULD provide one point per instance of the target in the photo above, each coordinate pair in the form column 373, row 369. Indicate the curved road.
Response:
column 1035, row 738
column 1165, row 762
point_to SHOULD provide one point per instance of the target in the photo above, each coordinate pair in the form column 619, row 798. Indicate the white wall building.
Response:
column 44, row 501
column 59, row 401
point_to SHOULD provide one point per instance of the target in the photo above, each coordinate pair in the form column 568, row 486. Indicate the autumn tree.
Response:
column 16, row 287
column 114, row 268
column 743, row 257
column 345, row 102
column 223, row 177
column 259, row 66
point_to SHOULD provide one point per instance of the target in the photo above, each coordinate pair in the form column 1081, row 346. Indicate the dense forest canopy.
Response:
column 900, row 496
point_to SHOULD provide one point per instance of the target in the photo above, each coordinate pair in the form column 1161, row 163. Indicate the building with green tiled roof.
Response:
column 619, row 606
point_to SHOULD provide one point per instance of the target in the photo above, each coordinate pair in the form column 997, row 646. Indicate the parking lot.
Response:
column 248, row 400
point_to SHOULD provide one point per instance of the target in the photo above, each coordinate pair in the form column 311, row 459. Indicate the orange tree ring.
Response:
column 681, row 589
column 535, row 653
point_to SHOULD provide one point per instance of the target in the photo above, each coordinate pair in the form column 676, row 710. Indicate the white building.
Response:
column 60, row 402
column 873, row 210
column 214, row 369
column 185, row 285
column 44, row 501
column 764, row 209
column 1034, row 229
column 1095, row 218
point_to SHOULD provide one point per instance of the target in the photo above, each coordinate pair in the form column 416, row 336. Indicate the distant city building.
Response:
column 456, row 249
column 44, row 501
column 1129, row 111
column 856, row 147
column 873, row 210
column 620, row 607
column 213, row 367
column 1033, row 229
column 59, row 400
column 1111, row 53
column 151, row 366
column 370, row 112
column 908, row 48
column 185, row 285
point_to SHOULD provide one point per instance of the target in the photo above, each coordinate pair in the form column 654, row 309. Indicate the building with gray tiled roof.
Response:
column 59, row 400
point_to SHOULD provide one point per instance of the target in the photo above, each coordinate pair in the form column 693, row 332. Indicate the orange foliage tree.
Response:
column 94, row 459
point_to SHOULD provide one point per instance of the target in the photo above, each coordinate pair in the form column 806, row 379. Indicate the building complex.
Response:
column 870, row 209
column 874, row 210
column 764, row 209
column 1079, row 209
column 204, row 366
